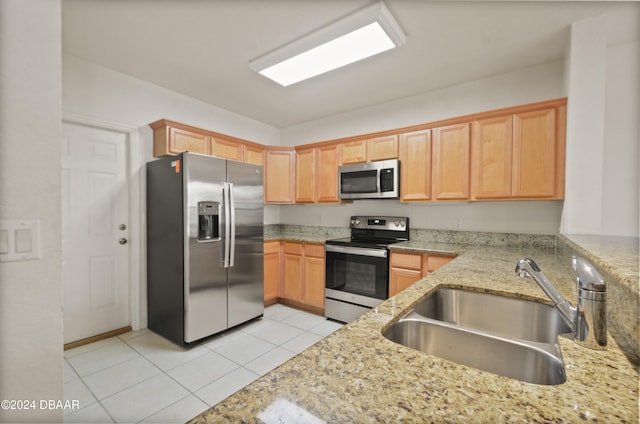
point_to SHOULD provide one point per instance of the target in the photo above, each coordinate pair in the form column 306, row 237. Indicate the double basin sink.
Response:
column 508, row 336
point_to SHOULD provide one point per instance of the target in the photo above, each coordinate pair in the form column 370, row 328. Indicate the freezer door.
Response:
column 246, row 279
column 205, row 300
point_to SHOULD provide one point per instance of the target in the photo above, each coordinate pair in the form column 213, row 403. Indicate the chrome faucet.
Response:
column 588, row 319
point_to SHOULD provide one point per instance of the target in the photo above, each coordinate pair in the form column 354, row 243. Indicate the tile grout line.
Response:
column 287, row 313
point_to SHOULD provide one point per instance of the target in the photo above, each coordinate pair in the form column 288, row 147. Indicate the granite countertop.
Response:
column 357, row 375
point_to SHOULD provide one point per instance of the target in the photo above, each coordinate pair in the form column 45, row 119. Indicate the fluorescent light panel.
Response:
column 370, row 31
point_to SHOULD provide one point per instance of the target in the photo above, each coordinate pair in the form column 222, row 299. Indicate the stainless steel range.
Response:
column 357, row 267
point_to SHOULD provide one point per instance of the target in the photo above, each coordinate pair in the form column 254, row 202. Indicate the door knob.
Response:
column 123, row 241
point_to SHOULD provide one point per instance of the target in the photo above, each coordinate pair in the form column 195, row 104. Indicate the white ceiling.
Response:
column 202, row 48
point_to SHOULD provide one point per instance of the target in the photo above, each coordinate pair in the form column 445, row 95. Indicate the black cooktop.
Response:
column 375, row 231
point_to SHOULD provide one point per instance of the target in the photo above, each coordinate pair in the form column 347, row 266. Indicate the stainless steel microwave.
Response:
column 371, row 180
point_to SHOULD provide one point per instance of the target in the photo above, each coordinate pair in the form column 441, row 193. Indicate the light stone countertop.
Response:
column 356, row 375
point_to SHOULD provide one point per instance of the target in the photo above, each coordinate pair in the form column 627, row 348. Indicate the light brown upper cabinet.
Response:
column 519, row 155
column 491, row 152
column 415, row 166
column 228, row 149
column 369, row 150
column 381, row 148
column 306, row 176
column 254, row 154
column 317, row 174
column 279, row 177
column 450, row 162
column 170, row 140
column 535, row 155
column 327, row 162
column 353, row 152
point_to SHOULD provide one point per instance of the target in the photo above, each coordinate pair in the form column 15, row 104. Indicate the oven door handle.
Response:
column 362, row 251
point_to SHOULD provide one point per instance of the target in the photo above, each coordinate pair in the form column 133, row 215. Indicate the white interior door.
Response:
column 95, row 249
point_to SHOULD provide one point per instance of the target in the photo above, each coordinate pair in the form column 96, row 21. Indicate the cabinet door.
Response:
column 228, row 149
column 328, row 159
column 415, row 166
column 279, row 176
column 406, row 260
column 173, row 141
column 491, row 151
column 313, row 282
column 381, row 148
column 354, row 152
column 534, row 154
column 254, row 155
column 305, row 176
column 450, row 172
column 400, row 279
column 292, row 278
column 271, row 271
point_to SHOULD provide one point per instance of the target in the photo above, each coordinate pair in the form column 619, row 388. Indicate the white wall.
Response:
column 31, row 357
column 542, row 82
column 603, row 133
column 585, row 127
column 539, row 217
column 537, row 83
column 620, row 184
column 93, row 91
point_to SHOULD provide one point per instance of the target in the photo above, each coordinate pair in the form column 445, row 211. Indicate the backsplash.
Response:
column 439, row 236
column 480, row 238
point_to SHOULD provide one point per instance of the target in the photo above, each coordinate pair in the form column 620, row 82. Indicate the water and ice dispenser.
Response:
column 208, row 221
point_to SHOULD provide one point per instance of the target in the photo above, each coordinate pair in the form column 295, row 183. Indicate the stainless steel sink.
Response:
column 541, row 364
column 500, row 315
column 512, row 337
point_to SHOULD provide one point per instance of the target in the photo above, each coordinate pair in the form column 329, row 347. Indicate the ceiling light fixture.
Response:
column 365, row 33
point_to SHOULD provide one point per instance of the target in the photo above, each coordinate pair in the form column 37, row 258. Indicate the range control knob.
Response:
column 397, row 223
column 402, row 224
column 353, row 221
column 357, row 222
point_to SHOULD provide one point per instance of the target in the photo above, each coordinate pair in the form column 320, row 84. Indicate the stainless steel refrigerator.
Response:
column 204, row 245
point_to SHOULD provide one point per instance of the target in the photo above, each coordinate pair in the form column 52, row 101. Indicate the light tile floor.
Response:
column 141, row 377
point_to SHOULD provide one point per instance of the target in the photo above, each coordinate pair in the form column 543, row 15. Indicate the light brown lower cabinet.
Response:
column 302, row 277
column 407, row 268
column 271, row 272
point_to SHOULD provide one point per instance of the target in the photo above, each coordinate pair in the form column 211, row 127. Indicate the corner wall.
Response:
column 31, row 343
column 603, row 132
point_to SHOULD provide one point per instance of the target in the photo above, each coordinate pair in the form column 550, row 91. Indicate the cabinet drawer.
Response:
column 293, row 248
column 314, row 250
column 406, row 260
column 271, row 247
column 435, row 262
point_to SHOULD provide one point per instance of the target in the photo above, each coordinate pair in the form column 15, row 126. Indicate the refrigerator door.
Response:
column 205, row 285
column 246, row 278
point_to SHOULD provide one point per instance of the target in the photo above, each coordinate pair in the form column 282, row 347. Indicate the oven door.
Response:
column 359, row 271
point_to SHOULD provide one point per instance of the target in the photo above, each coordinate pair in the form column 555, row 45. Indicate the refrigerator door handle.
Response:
column 232, row 206
column 227, row 224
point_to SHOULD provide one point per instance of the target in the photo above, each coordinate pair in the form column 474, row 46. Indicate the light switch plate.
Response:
column 19, row 240
column 24, row 240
